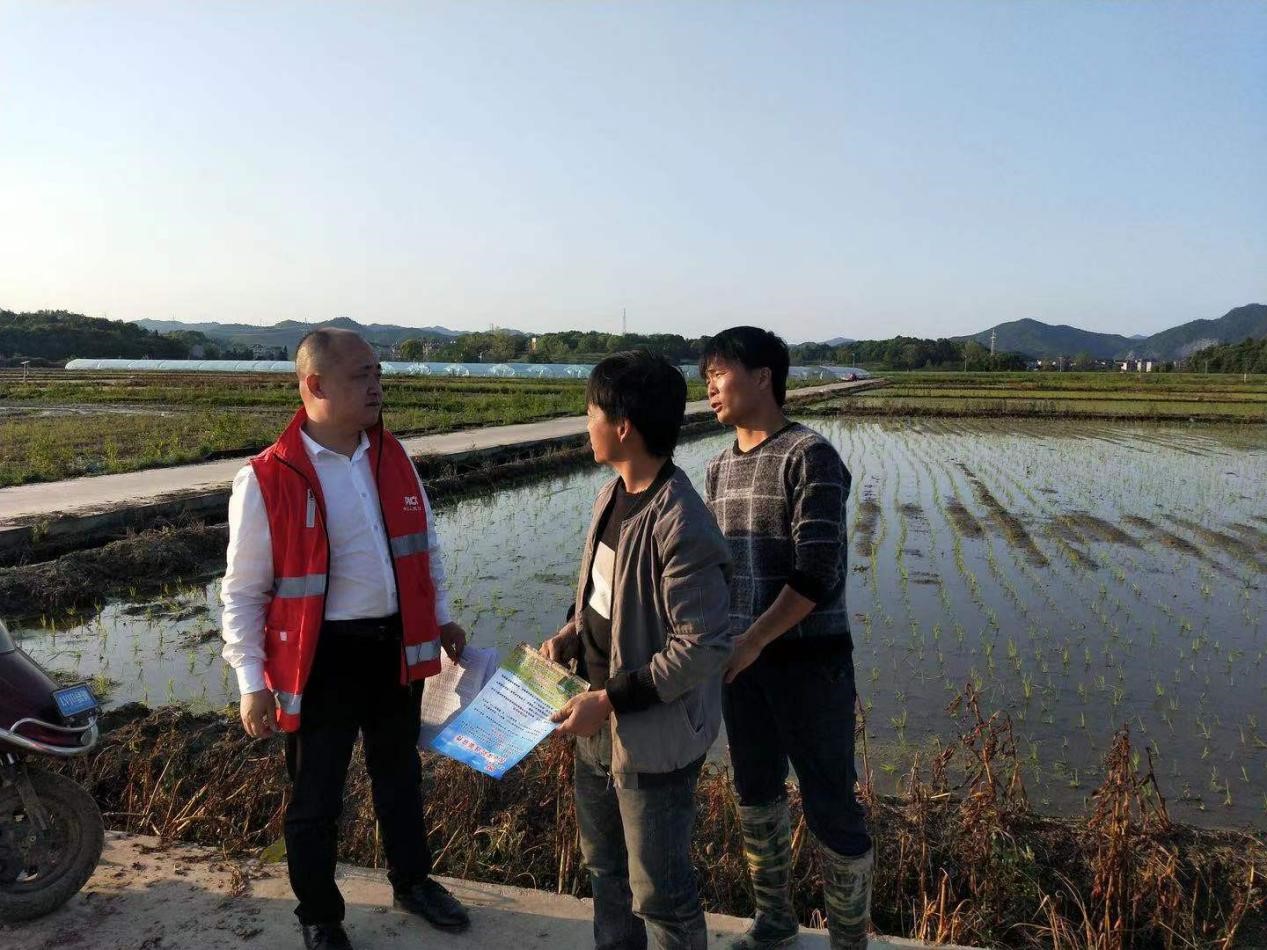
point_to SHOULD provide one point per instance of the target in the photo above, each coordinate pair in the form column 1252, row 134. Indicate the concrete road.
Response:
column 185, row 897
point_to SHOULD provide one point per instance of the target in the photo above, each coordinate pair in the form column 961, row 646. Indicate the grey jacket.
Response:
column 670, row 613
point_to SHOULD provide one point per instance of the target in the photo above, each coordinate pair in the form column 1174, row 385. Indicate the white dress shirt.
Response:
column 361, row 582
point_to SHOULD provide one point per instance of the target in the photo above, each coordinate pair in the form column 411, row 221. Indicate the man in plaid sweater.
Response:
column 779, row 496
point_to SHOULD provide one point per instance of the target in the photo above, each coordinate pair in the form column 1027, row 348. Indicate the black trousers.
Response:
column 354, row 687
column 796, row 702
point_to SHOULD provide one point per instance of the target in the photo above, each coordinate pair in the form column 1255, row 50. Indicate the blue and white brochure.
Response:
column 511, row 714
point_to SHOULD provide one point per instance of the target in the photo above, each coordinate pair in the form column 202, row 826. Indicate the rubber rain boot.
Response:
column 767, row 845
column 847, row 886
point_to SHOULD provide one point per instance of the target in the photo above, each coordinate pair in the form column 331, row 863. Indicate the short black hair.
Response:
column 755, row 349
column 644, row 388
column 316, row 346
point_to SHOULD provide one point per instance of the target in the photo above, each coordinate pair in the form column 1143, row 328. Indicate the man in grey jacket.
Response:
column 650, row 630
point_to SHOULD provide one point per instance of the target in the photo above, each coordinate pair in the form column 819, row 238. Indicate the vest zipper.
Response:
column 387, row 537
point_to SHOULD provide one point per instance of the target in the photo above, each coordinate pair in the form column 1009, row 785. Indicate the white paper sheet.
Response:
column 451, row 690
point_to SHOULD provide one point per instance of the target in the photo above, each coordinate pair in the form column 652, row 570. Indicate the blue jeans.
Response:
column 796, row 702
column 637, row 845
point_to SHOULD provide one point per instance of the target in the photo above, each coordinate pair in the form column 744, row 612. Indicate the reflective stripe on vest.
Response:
column 289, row 702
column 422, row 652
column 408, row 544
column 307, row 585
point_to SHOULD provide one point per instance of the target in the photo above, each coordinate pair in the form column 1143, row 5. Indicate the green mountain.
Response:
column 1248, row 356
column 1044, row 341
column 1235, row 326
column 57, row 335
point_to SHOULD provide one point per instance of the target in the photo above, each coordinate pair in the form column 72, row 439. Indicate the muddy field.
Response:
column 1081, row 575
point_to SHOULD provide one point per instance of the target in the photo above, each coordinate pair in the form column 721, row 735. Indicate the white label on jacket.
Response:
column 311, row 520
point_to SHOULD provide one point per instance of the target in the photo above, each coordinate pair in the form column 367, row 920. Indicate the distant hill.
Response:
column 1037, row 339
column 57, row 334
column 1248, row 356
column 287, row 333
column 1044, row 341
column 1235, row 326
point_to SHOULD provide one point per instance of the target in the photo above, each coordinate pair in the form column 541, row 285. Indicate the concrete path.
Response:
column 185, row 897
column 203, row 487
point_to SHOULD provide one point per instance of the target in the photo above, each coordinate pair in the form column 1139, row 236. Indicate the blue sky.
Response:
column 825, row 169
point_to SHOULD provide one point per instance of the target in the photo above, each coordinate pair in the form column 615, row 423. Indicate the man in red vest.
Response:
column 334, row 613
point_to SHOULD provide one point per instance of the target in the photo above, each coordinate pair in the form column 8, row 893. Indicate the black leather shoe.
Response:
column 434, row 904
column 325, row 937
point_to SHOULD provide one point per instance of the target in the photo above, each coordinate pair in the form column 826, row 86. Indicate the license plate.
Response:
column 74, row 700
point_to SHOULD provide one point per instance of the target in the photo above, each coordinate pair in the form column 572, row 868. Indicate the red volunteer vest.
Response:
column 301, row 560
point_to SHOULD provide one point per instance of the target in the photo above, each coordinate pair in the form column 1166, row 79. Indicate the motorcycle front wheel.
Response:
column 42, row 869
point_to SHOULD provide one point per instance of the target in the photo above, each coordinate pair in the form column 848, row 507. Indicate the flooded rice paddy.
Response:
column 1083, row 576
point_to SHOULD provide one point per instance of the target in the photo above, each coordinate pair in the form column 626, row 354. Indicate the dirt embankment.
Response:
column 190, row 549
column 81, row 578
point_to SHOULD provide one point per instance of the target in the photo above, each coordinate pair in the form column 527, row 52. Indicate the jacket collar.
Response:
column 663, row 477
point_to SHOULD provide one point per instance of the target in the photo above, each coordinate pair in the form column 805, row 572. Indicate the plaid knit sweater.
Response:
column 781, row 507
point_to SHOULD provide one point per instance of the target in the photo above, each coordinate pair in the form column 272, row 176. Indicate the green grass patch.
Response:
column 60, row 424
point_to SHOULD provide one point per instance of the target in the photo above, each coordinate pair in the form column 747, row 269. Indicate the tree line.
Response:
column 57, row 335
column 1248, row 356
column 578, row 346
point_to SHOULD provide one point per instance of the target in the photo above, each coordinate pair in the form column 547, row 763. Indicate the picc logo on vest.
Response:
column 412, row 503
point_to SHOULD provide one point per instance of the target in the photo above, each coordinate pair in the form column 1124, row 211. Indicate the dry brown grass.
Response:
column 961, row 857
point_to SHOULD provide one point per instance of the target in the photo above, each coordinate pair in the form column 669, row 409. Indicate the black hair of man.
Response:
column 646, row 389
column 755, row 349
column 315, row 349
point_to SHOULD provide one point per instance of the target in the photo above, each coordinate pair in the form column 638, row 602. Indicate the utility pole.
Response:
column 624, row 322
column 991, row 342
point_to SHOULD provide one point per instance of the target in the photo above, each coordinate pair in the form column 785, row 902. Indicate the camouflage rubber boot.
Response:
column 767, row 845
column 847, row 894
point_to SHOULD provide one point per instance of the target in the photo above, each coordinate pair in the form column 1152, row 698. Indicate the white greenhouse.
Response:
column 526, row 370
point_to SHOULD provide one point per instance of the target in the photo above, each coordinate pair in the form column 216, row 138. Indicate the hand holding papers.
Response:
column 510, row 714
